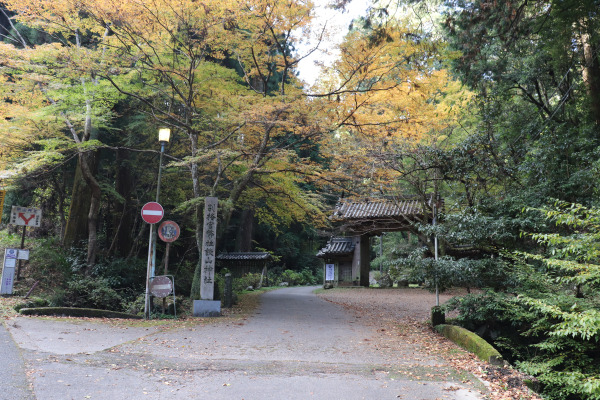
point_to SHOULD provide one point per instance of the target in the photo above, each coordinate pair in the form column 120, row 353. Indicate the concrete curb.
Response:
column 471, row 342
column 77, row 312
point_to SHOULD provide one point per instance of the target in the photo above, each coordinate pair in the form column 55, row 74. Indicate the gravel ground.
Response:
column 410, row 304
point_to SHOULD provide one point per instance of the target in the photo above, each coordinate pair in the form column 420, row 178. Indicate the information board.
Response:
column 8, row 271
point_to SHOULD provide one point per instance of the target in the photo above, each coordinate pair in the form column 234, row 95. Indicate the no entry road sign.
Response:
column 152, row 212
column 161, row 286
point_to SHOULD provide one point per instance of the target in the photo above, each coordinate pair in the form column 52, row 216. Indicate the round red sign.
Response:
column 152, row 212
column 168, row 231
column 161, row 286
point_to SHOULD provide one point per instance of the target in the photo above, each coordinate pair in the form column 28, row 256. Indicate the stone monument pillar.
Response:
column 207, row 306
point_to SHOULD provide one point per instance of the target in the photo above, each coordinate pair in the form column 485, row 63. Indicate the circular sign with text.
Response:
column 152, row 212
column 168, row 231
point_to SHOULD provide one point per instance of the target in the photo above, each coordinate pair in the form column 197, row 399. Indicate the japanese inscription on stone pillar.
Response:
column 209, row 238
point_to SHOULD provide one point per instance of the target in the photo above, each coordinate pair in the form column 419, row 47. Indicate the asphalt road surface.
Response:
column 296, row 346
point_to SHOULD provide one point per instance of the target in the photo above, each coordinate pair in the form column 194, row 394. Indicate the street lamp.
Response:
column 164, row 134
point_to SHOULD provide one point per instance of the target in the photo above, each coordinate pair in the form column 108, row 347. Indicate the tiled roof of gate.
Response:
column 237, row 256
column 378, row 208
column 337, row 246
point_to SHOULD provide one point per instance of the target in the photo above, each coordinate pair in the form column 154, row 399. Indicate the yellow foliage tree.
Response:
column 392, row 95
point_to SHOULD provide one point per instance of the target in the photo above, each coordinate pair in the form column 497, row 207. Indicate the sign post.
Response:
column 168, row 232
column 152, row 213
column 24, row 216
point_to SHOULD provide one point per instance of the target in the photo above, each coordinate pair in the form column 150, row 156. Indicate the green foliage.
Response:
column 34, row 302
column 128, row 276
column 88, row 292
column 549, row 326
column 384, row 280
column 248, row 280
column 449, row 272
column 295, row 278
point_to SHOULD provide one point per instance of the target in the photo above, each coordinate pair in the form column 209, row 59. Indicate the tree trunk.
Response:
column 123, row 219
column 92, row 217
column 591, row 76
column 76, row 228
column 243, row 241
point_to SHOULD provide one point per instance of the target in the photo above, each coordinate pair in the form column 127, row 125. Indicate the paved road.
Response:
column 12, row 372
column 297, row 346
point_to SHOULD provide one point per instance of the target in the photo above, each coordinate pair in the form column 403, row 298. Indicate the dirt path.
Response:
column 297, row 346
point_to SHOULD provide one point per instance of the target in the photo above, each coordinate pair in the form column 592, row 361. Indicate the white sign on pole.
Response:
column 26, row 216
column 209, row 239
column 329, row 272
column 8, row 271
column 23, row 254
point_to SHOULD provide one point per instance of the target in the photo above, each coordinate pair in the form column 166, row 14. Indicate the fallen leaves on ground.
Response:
column 400, row 316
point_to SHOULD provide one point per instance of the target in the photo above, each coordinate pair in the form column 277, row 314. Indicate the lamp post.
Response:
column 164, row 134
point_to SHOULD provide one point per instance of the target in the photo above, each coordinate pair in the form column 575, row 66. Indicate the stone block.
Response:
column 207, row 308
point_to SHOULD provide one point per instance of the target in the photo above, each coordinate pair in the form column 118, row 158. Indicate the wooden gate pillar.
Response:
column 365, row 260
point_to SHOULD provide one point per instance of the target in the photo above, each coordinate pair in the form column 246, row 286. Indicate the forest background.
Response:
column 494, row 106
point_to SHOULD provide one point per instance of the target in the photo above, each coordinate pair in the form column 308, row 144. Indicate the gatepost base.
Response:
column 207, row 308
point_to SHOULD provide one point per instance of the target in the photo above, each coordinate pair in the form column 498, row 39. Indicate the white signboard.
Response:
column 26, row 216
column 329, row 272
column 8, row 271
column 23, row 254
column 209, row 240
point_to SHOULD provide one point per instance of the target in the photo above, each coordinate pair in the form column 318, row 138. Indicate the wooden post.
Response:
column 365, row 260
column 22, row 247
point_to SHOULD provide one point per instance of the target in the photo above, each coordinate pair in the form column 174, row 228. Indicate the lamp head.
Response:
column 164, row 134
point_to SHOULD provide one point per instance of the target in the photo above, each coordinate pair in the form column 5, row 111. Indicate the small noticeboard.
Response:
column 23, row 254
column 329, row 272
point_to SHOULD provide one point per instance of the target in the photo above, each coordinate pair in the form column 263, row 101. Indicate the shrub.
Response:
column 89, row 292
column 292, row 277
column 250, row 279
column 34, row 302
column 384, row 280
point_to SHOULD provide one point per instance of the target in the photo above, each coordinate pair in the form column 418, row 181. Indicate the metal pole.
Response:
column 162, row 150
column 164, row 302
column 435, row 245
column 155, row 237
column 152, row 241
column 148, row 272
